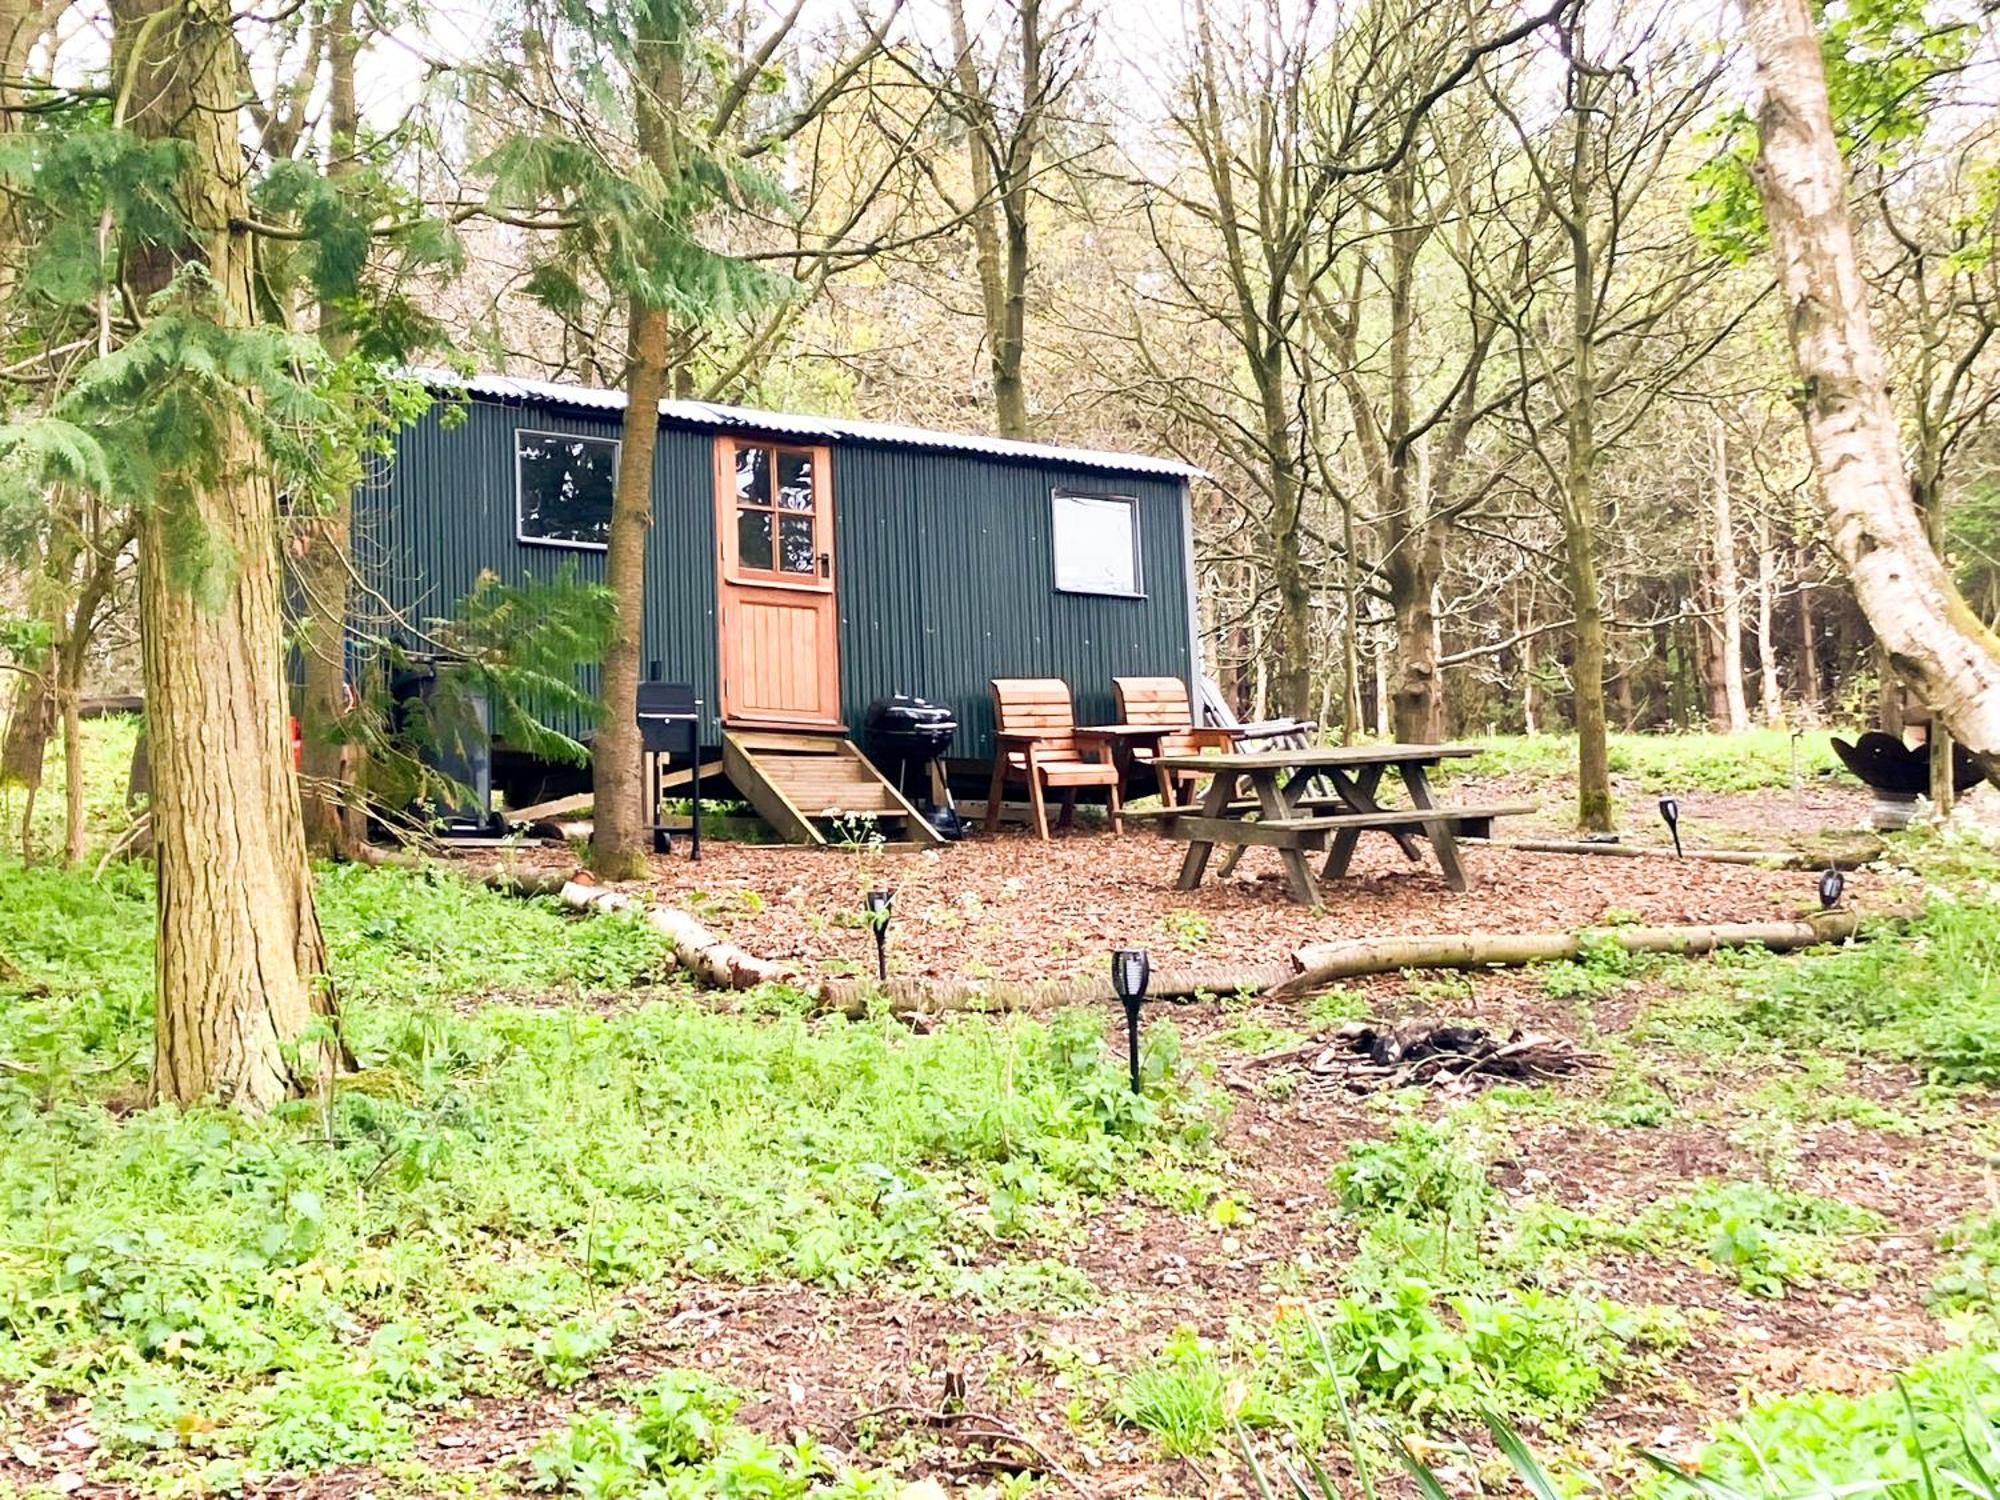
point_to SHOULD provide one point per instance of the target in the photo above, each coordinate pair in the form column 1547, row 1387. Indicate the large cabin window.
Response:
column 1097, row 544
column 563, row 486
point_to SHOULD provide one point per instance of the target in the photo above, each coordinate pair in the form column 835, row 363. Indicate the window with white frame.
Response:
column 1097, row 544
column 563, row 488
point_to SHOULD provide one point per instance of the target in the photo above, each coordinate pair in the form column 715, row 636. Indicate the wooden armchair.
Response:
column 1038, row 743
column 1163, row 702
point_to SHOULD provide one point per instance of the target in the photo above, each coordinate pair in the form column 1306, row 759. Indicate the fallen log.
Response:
column 855, row 997
column 1849, row 859
column 710, row 959
column 1321, row 964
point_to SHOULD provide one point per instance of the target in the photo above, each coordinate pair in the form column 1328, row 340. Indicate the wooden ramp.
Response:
column 803, row 785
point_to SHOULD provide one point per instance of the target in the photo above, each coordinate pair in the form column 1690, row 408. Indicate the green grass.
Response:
column 1659, row 763
column 1181, row 1396
column 1903, row 1442
column 1928, row 995
column 474, row 1210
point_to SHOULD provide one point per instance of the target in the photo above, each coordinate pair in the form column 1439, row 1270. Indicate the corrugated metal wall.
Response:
column 946, row 571
column 948, row 580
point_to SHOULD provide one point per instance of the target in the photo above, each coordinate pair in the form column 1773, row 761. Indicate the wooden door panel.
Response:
column 776, row 656
column 780, row 617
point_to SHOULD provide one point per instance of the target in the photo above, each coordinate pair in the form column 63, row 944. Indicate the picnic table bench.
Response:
column 1288, row 787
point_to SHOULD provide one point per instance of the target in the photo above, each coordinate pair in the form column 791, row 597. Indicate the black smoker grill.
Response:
column 670, row 726
column 907, row 737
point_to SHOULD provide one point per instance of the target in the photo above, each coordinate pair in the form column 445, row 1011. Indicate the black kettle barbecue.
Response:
column 905, row 737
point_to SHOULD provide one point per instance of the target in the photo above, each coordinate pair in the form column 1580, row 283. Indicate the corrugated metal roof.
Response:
column 713, row 415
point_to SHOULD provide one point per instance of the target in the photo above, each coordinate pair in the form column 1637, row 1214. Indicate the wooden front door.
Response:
column 780, row 617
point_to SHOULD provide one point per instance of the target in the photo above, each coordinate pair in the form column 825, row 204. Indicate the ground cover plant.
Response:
column 463, row 1215
column 572, row 1228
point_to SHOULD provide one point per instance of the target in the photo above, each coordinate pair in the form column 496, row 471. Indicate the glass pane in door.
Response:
column 795, row 544
column 753, row 476
column 753, row 539
column 795, row 481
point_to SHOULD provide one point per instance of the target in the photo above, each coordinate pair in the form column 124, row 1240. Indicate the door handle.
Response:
column 826, row 565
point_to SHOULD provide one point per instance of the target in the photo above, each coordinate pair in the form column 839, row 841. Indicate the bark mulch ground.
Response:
column 1010, row 907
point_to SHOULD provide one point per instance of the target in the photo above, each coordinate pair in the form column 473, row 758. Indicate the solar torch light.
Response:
column 1670, row 813
column 1831, row 884
column 1131, row 969
column 880, row 904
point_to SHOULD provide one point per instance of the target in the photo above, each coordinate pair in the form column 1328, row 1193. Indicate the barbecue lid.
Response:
column 902, row 718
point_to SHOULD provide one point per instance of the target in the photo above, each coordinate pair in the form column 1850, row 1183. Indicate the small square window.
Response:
column 1097, row 544
column 564, row 484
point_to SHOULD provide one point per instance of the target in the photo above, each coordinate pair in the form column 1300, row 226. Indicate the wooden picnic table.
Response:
column 1288, row 790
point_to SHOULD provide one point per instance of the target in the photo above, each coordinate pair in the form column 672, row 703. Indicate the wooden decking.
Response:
column 806, row 785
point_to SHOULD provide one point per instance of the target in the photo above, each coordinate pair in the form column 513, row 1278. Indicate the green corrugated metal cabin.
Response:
column 801, row 567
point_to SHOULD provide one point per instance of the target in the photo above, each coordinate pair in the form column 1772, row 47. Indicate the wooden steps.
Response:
column 804, row 785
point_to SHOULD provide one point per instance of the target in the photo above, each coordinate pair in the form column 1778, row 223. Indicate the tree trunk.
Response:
column 1417, row 695
column 1934, row 641
column 621, row 833
column 1384, row 700
column 1002, row 171
column 325, row 543
column 1809, row 687
column 32, row 719
column 1292, row 628
column 1579, row 510
column 1728, row 587
column 241, row 966
column 1593, row 755
column 1770, row 698
column 1350, row 646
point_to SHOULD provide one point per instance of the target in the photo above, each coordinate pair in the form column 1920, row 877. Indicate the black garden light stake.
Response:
column 1131, row 969
column 1831, row 884
column 879, row 905
column 1670, row 810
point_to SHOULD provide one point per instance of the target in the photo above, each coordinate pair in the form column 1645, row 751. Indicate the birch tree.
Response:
column 1935, row 642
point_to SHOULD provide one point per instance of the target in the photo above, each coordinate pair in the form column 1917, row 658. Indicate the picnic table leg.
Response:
column 1214, row 805
column 1444, row 839
column 1359, row 795
column 1275, row 806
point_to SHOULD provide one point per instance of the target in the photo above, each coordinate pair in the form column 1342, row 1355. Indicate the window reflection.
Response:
column 795, row 481
column 753, row 476
column 795, row 538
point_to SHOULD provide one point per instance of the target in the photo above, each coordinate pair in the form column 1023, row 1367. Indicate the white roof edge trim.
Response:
column 793, row 425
